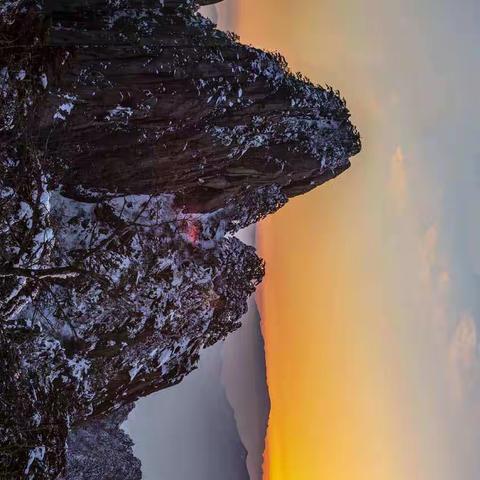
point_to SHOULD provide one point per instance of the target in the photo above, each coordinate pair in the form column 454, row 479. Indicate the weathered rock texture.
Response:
column 134, row 137
column 158, row 102
column 100, row 449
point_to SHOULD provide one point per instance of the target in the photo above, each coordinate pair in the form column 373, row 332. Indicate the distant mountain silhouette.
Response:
column 189, row 431
column 245, row 378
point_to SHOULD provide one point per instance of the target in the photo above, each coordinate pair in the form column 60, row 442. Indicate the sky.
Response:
column 189, row 431
column 370, row 311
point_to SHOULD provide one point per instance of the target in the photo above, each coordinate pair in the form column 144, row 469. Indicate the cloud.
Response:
column 436, row 286
column 443, row 280
column 398, row 179
column 453, row 328
column 429, row 255
column 463, row 364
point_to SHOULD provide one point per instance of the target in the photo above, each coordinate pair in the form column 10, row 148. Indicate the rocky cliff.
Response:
column 135, row 138
column 100, row 449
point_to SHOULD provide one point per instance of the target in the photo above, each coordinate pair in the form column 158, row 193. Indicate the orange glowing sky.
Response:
column 371, row 363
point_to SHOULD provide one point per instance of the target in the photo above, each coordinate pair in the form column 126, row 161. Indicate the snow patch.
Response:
column 44, row 80
column 37, row 453
column 119, row 112
column 65, row 108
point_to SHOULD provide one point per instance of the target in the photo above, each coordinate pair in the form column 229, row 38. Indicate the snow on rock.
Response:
column 100, row 450
column 79, row 367
column 36, row 454
column 65, row 108
column 44, row 80
column 119, row 113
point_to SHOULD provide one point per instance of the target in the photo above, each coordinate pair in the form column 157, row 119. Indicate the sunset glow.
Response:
column 356, row 304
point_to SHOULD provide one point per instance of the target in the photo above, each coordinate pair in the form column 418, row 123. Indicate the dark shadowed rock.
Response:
column 101, row 450
column 154, row 103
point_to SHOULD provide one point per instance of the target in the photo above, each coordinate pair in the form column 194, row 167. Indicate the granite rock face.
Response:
column 135, row 138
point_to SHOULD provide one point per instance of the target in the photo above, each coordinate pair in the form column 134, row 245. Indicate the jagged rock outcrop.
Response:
column 134, row 137
column 157, row 102
column 100, row 449
column 33, row 421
